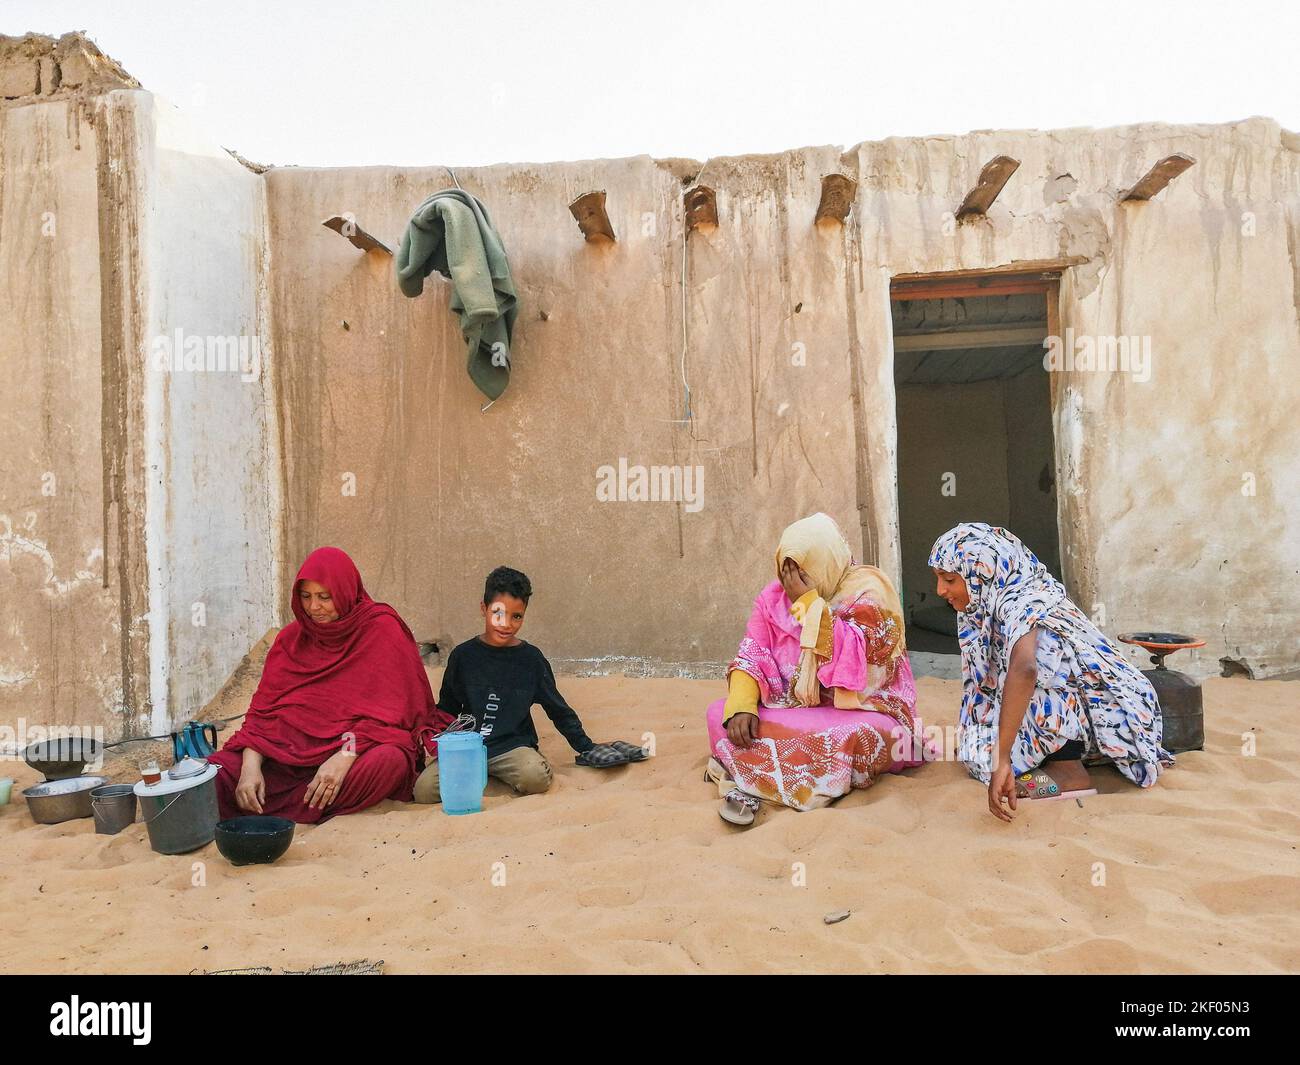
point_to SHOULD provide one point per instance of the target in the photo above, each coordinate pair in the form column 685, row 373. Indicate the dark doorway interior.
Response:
column 975, row 438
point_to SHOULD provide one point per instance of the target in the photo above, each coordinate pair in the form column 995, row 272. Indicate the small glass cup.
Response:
column 150, row 772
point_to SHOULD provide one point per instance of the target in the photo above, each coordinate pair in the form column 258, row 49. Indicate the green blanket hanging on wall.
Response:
column 451, row 232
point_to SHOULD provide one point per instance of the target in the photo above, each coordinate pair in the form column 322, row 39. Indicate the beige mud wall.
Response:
column 75, row 644
column 127, row 495
column 1178, row 496
column 444, row 491
column 1156, row 529
column 213, row 509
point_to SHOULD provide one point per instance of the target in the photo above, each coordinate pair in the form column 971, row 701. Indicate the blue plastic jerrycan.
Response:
column 462, row 772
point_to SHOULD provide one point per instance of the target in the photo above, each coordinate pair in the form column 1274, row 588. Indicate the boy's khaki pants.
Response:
column 524, row 769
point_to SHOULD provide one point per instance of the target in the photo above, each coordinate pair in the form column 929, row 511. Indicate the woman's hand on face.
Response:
column 1002, row 785
column 742, row 729
column 794, row 580
column 250, row 792
column 325, row 785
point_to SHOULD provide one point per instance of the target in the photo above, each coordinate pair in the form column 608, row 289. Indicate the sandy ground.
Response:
column 631, row 870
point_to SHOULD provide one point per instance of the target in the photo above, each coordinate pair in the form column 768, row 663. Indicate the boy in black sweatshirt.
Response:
column 497, row 677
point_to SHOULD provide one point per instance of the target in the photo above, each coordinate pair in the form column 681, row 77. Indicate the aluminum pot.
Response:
column 61, row 800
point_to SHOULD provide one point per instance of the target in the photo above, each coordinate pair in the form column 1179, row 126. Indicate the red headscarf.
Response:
column 359, row 677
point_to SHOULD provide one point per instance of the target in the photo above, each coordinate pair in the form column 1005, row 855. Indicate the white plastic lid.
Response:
column 167, row 786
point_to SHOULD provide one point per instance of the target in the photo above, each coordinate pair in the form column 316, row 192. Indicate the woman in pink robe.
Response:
column 821, row 697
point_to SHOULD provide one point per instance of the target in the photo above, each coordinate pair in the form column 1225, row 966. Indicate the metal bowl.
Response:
column 254, row 840
column 1165, row 641
column 61, row 800
column 60, row 759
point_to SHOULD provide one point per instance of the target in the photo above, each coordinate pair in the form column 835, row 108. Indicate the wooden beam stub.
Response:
column 997, row 171
column 345, row 225
column 701, row 205
column 589, row 211
column 838, row 192
column 1158, row 177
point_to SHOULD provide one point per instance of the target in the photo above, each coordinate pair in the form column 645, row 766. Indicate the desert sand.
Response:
column 631, row 869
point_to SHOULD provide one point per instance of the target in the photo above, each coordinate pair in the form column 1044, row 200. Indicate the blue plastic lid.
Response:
column 459, row 739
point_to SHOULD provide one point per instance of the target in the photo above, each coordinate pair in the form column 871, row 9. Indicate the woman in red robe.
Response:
column 338, row 719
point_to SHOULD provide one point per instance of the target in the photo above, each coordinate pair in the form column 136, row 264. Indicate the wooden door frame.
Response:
column 964, row 284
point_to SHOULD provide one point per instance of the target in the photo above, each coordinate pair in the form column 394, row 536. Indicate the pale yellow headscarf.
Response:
column 819, row 547
column 822, row 551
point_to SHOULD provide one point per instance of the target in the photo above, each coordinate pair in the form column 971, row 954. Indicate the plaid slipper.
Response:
column 602, row 756
column 634, row 753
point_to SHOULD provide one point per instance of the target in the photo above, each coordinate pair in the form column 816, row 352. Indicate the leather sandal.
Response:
column 1039, row 786
column 738, row 808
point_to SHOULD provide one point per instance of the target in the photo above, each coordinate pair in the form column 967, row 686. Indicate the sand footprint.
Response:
column 1258, row 896
column 612, row 895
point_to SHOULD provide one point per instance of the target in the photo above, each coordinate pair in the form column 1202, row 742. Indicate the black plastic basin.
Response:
column 254, row 840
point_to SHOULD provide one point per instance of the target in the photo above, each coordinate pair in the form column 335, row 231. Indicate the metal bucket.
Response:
column 181, row 821
column 114, row 808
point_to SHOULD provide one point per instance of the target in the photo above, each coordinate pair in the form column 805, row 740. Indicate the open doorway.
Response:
column 975, row 440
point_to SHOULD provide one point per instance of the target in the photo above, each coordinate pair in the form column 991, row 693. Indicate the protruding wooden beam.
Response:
column 589, row 210
column 997, row 171
column 1158, row 177
column 346, row 226
column 838, row 192
column 701, row 207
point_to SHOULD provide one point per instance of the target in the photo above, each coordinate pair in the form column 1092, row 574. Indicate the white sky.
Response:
column 328, row 82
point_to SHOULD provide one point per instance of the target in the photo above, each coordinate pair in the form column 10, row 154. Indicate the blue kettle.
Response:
column 462, row 772
column 195, row 740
